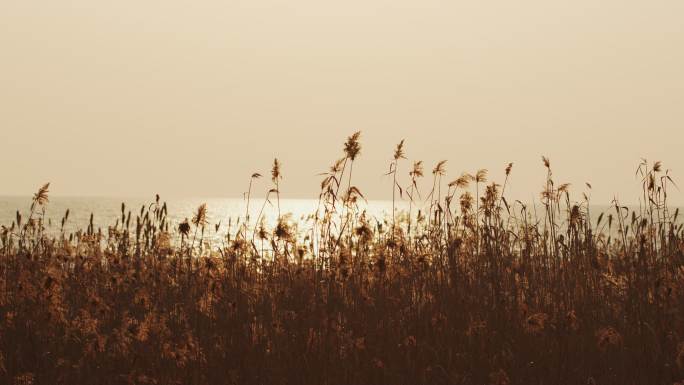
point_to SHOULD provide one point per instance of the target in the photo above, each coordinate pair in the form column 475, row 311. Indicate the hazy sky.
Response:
column 188, row 98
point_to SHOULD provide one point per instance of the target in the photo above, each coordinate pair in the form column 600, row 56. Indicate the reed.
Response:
column 474, row 289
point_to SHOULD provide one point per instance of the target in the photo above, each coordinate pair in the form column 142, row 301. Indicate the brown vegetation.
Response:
column 474, row 291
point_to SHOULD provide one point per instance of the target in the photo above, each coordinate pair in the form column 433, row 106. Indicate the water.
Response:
column 223, row 211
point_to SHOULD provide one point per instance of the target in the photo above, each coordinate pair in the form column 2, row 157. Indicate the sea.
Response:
column 224, row 214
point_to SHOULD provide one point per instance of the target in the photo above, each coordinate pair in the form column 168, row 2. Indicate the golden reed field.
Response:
column 474, row 290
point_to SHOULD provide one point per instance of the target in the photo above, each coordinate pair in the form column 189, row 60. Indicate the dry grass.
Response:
column 474, row 291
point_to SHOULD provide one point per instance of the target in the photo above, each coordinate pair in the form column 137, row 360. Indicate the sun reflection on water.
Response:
column 227, row 213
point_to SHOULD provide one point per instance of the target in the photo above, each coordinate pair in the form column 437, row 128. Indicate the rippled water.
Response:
column 225, row 211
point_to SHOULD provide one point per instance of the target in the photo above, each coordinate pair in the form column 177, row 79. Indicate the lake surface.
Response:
column 226, row 211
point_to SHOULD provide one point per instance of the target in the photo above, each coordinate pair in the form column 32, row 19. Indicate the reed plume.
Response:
column 455, row 295
column 275, row 177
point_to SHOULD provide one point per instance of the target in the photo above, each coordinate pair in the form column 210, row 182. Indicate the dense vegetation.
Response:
column 472, row 290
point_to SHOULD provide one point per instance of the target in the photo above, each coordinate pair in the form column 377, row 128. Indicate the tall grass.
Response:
column 477, row 290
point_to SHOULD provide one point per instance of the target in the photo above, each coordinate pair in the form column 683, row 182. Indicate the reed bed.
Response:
column 473, row 289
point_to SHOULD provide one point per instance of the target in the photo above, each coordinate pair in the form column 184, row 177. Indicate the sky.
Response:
column 189, row 98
